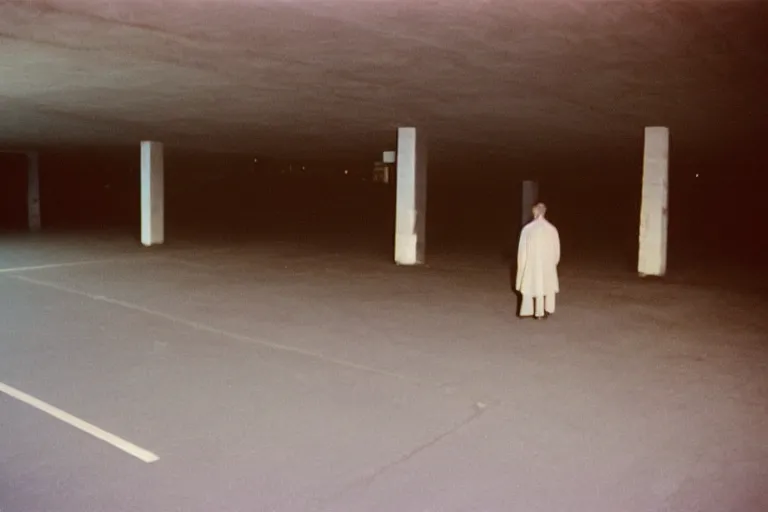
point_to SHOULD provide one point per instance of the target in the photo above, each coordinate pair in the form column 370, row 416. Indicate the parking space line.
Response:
column 10, row 270
column 219, row 332
column 117, row 442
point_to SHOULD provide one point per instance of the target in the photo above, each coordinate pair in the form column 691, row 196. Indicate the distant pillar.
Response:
column 152, row 200
column 652, row 256
column 530, row 197
column 384, row 170
column 33, row 191
column 410, row 227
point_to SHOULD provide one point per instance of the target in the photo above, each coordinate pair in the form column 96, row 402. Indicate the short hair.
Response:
column 540, row 208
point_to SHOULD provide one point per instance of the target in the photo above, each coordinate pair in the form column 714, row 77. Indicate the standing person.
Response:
column 538, row 255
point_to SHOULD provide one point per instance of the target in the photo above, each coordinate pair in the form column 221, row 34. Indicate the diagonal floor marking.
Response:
column 11, row 270
column 117, row 442
column 220, row 332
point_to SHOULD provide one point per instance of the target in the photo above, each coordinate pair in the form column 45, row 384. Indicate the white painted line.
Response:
column 117, row 442
column 68, row 264
column 219, row 332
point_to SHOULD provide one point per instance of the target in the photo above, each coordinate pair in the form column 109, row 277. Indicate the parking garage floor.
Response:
column 283, row 376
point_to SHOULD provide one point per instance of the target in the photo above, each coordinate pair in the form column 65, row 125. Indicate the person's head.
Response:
column 539, row 210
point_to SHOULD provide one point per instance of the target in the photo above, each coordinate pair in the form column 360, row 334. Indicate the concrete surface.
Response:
column 274, row 376
column 334, row 78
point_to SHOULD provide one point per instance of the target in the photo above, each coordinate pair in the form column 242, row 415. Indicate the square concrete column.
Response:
column 652, row 256
column 530, row 198
column 152, row 196
column 411, row 208
column 33, row 191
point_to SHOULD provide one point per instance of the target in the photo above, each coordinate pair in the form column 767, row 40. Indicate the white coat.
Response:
column 538, row 255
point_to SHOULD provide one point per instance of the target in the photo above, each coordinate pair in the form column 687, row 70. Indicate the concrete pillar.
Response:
column 530, row 198
column 152, row 200
column 652, row 256
column 33, row 191
column 411, row 208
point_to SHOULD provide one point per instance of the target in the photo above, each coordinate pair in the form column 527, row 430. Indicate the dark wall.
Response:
column 13, row 191
column 88, row 192
column 594, row 204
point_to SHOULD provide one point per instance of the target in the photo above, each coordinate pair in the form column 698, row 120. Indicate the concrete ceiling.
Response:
column 334, row 78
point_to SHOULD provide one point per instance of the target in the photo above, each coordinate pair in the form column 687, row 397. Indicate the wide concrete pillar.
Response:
column 530, row 198
column 411, row 208
column 652, row 256
column 34, row 220
column 152, row 195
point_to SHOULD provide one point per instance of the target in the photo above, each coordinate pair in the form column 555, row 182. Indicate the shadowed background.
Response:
column 557, row 91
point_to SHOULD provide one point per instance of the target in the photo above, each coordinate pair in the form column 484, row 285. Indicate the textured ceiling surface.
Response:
column 334, row 78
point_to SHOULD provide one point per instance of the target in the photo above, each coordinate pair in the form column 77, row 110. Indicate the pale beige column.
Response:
column 152, row 194
column 411, row 208
column 652, row 256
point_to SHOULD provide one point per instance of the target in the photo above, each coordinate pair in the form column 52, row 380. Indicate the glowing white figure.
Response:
column 538, row 255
